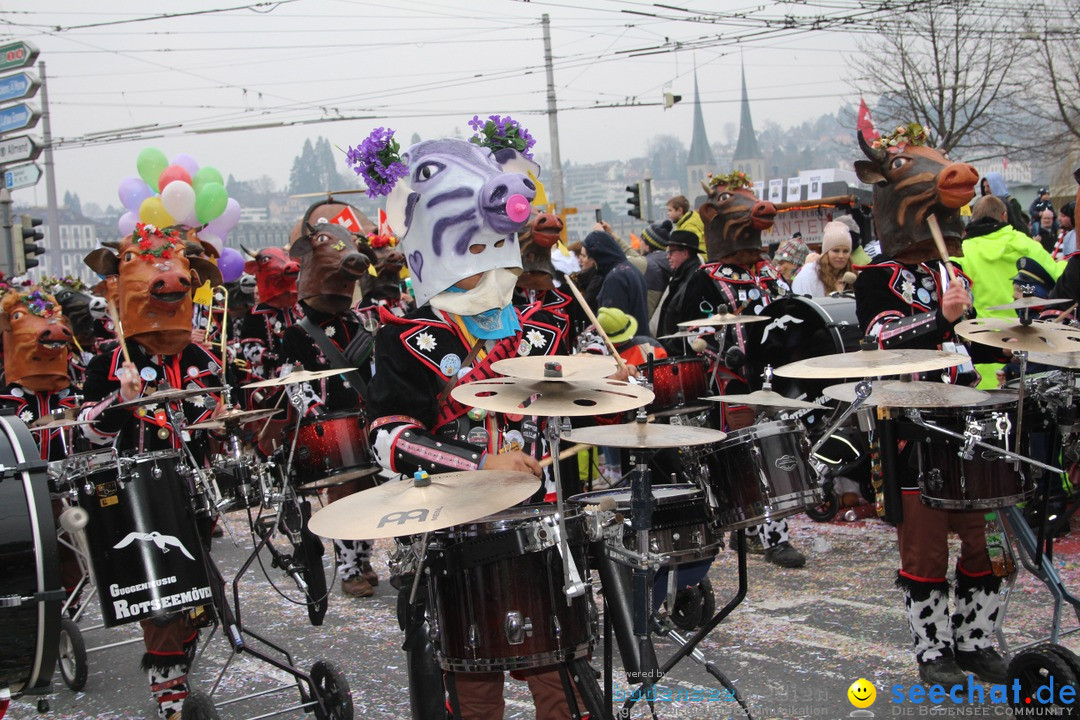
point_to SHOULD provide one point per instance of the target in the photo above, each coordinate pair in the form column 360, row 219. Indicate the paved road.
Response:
column 792, row 647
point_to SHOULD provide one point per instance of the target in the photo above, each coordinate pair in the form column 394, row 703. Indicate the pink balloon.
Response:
column 187, row 162
column 225, row 222
column 171, row 174
column 126, row 223
column 132, row 192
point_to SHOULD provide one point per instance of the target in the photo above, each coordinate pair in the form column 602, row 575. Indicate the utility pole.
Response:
column 556, row 183
column 53, row 217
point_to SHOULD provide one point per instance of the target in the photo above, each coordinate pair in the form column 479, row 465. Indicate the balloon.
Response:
column 206, row 175
column 170, row 175
column 150, row 164
column 227, row 220
column 126, row 223
column 154, row 213
column 178, row 198
column 210, row 201
column 231, row 264
column 132, row 192
column 187, row 162
column 213, row 240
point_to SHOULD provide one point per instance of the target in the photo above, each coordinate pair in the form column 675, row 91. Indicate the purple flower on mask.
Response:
column 378, row 161
column 499, row 133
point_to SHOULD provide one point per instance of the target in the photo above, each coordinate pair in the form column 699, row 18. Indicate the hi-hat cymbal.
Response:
column 1067, row 360
column 232, row 417
column 769, row 398
column 684, row 334
column 870, row 363
column 552, row 399
column 339, row 478
column 914, row 394
column 1030, row 302
column 297, row 376
column 399, row 507
column 644, row 435
column 1046, row 337
column 723, row 319
column 168, row 395
column 570, row 367
column 48, row 423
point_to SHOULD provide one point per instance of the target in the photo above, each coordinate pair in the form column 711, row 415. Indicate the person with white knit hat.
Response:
column 827, row 274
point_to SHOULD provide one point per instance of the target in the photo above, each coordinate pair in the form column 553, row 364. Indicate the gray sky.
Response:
column 423, row 67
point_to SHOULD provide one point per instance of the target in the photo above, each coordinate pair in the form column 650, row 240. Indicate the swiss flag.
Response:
column 865, row 123
column 384, row 226
column 348, row 220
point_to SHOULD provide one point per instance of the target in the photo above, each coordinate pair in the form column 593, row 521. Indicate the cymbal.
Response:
column 1030, row 302
column 234, row 416
column 168, row 395
column 296, row 376
column 65, row 414
column 573, row 367
column 644, row 435
column 724, row 319
column 552, row 399
column 1046, row 337
column 769, row 398
column 399, row 507
column 683, row 334
column 339, row 478
column 682, row 410
column 870, row 363
column 1068, row 360
column 913, row 394
column 56, row 424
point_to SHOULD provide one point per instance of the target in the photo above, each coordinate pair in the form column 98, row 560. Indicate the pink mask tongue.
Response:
column 517, row 208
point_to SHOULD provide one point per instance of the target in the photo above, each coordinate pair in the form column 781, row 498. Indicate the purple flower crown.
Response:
column 378, row 161
column 499, row 133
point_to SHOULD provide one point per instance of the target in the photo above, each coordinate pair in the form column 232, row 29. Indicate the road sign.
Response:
column 18, row 117
column 22, row 176
column 18, row 86
column 18, row 149
column 17, row 55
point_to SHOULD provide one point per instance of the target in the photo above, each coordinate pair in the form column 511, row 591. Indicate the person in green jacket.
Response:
column 990, row 251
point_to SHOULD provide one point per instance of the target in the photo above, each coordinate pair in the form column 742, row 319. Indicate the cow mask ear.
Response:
column 203, row 270
column 868, row 172
column 103, row 261
column 511, row 161
column 707, row 211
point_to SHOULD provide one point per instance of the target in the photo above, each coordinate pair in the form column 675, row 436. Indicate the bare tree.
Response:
column 1051, row 73
column 947, row 66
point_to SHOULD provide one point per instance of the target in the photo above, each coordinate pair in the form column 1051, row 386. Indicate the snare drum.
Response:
column 761, row 473
column 30, row 584
column 145, row 552
column 987, row 480
column 497, row 593
column 677, row 383
column 330, row 444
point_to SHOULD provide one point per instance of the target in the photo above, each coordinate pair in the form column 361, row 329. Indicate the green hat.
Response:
column 619, row 326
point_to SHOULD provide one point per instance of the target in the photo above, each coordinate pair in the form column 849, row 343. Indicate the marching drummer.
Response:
column 907, row 299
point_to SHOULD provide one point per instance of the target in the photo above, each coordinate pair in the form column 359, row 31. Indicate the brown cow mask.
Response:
column 536, row 242
column 36, row 337
column 331, row 261
column 155, row 281
column 910, row 183
column 734, row 221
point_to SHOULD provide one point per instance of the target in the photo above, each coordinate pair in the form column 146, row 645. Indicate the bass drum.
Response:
column 30, row 584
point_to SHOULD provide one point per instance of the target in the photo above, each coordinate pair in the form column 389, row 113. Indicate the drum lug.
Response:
column 556, row 627
column 433, row 627
column 934, row 481
column 519, row 627
column 474, row 636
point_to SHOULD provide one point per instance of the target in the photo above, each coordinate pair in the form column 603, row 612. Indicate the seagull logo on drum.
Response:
column 779, row 324
column 155, row 537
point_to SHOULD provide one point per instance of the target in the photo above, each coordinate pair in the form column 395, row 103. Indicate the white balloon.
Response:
column 213, row 240
column 179, row 199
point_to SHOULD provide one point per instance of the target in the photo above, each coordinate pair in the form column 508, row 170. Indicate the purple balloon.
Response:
column 126, row 223
column 227, row 220
column 187, row 162
column 231, row 264
column 132, row 192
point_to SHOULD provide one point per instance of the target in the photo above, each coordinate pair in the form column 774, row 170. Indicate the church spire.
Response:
column 700, row 152
column 746, row 148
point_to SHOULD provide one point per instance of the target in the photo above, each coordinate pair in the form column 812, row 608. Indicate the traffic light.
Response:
column 634, row 200
column 24, row 243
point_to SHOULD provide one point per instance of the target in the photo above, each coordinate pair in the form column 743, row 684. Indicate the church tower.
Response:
column 699, row 161
column 748, row 157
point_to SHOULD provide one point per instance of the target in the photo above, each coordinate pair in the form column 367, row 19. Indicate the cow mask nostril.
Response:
column 499, row 194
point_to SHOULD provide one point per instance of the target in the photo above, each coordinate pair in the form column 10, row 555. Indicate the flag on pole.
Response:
column 865, row 123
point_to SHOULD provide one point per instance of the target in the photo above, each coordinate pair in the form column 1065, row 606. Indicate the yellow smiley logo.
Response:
column 861, row 693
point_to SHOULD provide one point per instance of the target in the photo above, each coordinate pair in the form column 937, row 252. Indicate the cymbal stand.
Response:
column 862, row 392
column 573, row 585
column 971, row 441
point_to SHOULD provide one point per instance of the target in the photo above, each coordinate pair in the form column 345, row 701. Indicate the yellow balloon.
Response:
column 153, row 212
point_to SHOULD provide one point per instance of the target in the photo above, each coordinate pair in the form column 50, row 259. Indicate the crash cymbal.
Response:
column 644, row 435
column 870, row 363
column 1045, row 337
column 571, row 367
column 1030, row 302
column 168, row 395
column 297, row 376
column 683, row 334
column 65, row 414
column 914, row 394
column 56, row 424
column 1067, row 360
column 682, row 410
column 233, row 417
column 339, row 478
column 552, row 399
column 768, row 398
column 723, row 319
column 399, row 507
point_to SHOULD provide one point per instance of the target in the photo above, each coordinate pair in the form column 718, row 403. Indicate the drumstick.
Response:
column 568, row 452
column 596, row 323
column 119, row 330
column 1063, row 316
column 935, row 230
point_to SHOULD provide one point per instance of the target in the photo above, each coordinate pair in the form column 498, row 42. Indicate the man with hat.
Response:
column 657, row 269
column 683, row 258
column 1035, row 210
column 1031, row 279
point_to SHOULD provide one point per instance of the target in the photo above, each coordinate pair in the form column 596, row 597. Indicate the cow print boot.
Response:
column 350, row 570
column 776, row 540
column 168, row 685
column 977, row 606
column 927, row 606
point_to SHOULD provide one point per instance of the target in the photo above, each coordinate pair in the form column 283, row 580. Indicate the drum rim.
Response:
column 335, row 415
column 690, row 490
column 496, row 521
column 756, row 431
column 690, row 359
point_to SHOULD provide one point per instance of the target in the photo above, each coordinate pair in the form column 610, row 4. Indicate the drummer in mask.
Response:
column 154, row 281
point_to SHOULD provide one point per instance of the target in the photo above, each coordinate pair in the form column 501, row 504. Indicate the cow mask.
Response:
column 36, row 337
column 911, row 182
column 331, row 261
column 543, row 234
column 275, row 275
column 734, row 221
column 154, row 280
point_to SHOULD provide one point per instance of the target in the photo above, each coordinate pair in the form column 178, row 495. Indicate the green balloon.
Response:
column 206, row 175
column 150, row 165
column 210, row 201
